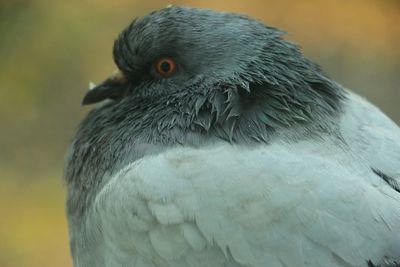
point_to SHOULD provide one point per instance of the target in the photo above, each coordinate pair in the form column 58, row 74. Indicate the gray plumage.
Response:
column 238, row 81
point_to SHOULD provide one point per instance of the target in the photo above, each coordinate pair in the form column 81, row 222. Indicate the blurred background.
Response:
column 49, row 50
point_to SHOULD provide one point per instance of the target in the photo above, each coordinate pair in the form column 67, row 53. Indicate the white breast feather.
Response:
column 275, row 205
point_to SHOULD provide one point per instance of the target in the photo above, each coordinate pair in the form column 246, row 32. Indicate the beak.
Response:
column 112, row 88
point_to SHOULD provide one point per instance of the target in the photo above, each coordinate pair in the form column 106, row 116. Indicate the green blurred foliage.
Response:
column 49, row 50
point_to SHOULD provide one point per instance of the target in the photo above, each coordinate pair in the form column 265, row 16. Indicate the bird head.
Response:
column 177, row 52
column 172, row 49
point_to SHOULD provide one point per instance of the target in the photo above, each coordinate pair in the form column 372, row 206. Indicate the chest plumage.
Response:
column 221, row 145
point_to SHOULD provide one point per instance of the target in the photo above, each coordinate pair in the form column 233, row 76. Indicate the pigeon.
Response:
column 217, row 143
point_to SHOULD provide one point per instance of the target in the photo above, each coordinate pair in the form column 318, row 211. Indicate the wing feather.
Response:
column 372, row 135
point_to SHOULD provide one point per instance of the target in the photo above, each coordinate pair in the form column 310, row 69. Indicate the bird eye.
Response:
column 165, row 66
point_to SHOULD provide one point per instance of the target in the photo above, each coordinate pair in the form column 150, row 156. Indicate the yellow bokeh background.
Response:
column 50, row 49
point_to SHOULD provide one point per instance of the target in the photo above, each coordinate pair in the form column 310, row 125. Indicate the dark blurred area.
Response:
column 49, row 50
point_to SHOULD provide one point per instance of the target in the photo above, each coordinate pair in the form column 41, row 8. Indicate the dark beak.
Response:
column 115, row 87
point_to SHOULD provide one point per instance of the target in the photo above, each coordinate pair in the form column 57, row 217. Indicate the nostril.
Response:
column 118, row 77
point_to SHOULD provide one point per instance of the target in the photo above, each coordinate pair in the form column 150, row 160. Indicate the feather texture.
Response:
column 310, row 203
column 249, row 155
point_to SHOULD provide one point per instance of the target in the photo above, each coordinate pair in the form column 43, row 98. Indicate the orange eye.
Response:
column 165, row 66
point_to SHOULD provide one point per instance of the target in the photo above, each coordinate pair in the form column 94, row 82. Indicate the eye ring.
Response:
column 165, row 66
